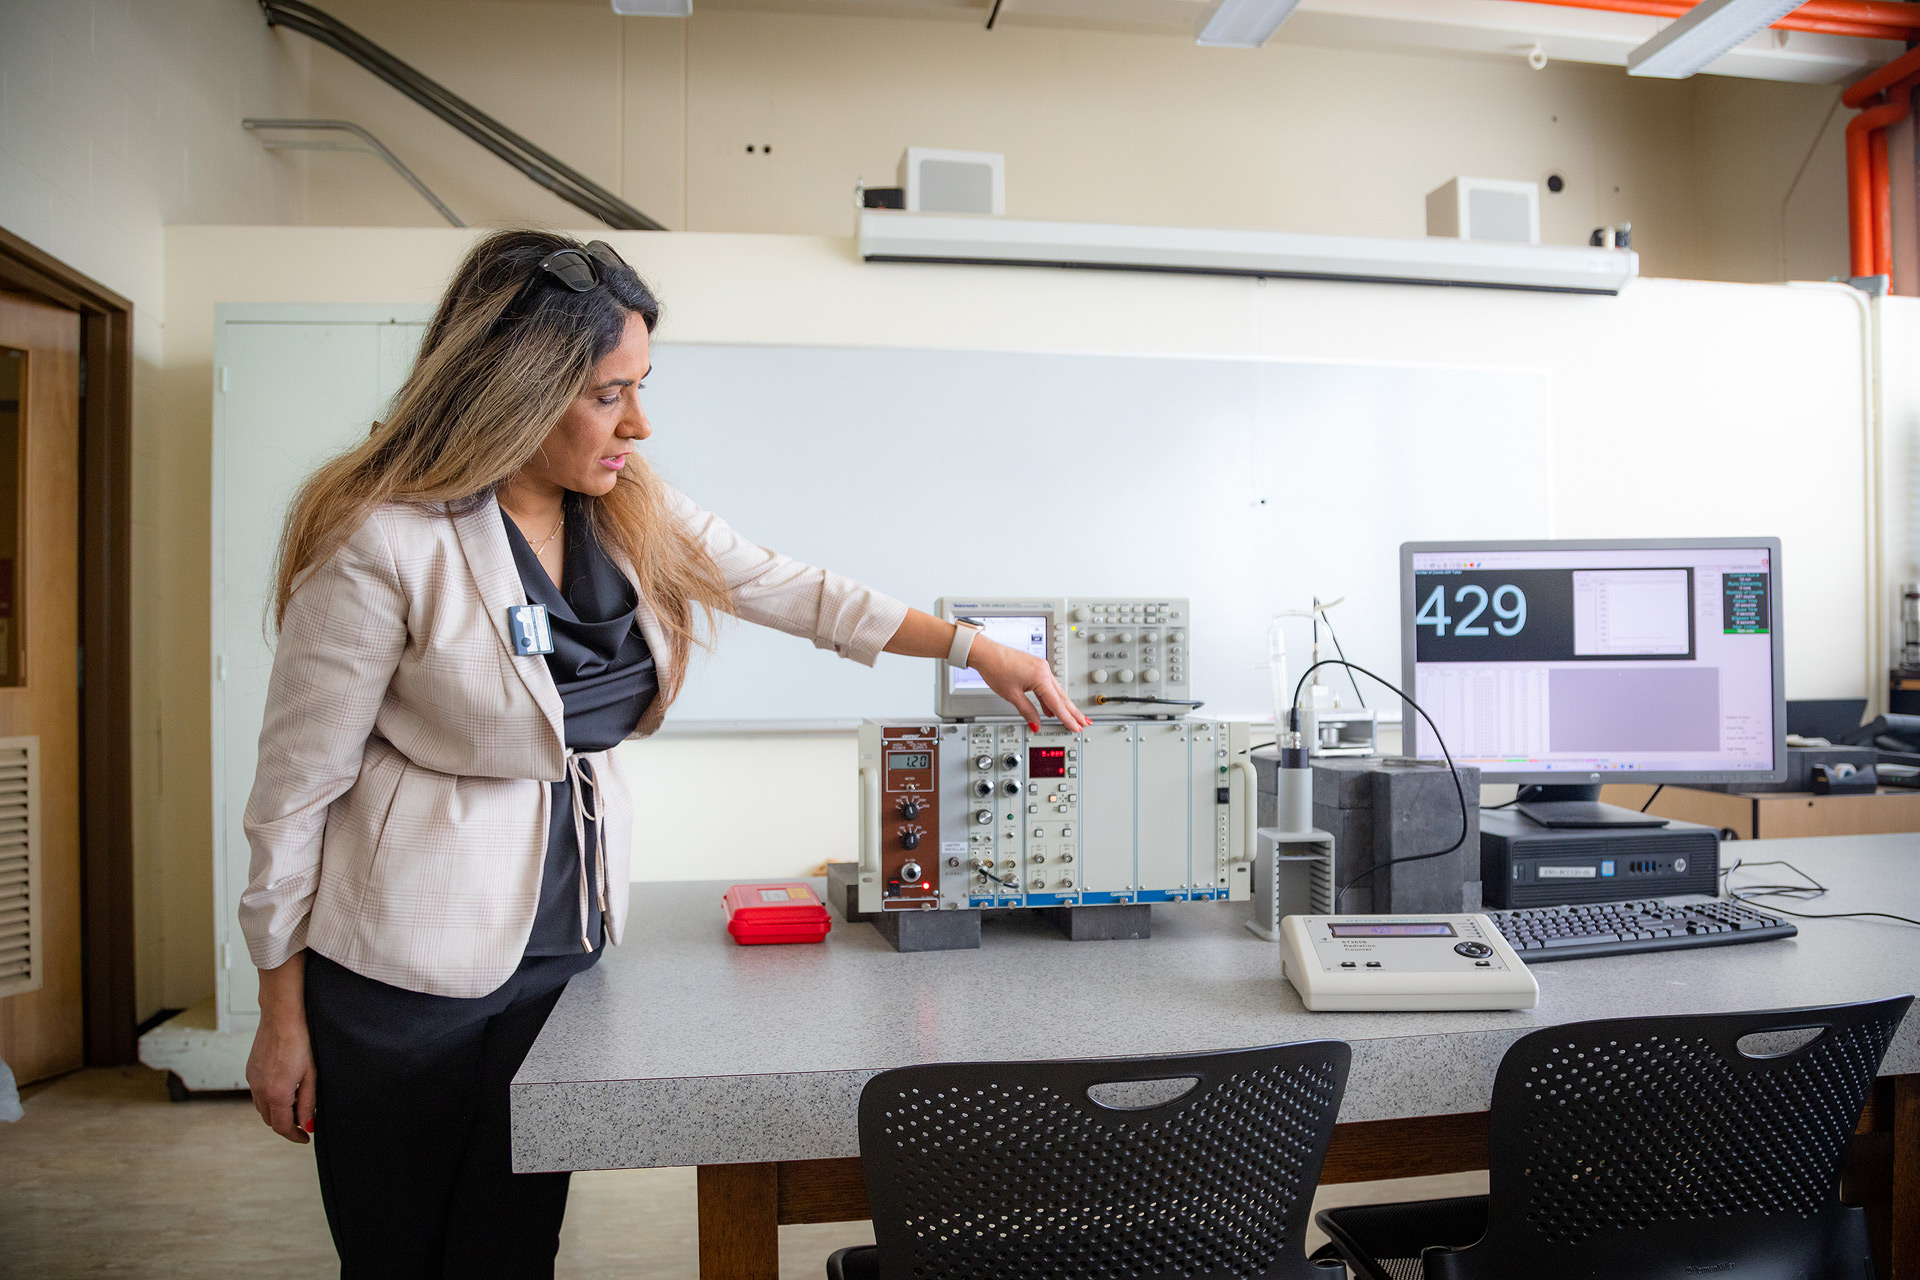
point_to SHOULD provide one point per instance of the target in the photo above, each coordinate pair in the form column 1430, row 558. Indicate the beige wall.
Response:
column 116, row 119
column 1096, row 125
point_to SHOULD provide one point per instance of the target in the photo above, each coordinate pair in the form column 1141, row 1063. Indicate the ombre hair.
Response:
column 509, row 348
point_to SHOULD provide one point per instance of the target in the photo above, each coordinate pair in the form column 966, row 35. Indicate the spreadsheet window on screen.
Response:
column 1656, row 660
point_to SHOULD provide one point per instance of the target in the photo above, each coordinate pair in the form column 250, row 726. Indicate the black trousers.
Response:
column 410, row 1124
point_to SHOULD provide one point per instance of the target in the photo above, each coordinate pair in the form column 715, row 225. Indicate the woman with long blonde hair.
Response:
column 474, row 606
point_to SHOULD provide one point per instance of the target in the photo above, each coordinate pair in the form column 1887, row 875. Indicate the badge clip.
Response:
column 527, row 623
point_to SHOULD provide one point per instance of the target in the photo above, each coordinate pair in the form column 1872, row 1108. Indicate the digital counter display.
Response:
column 909, row 760
column 1436, row 930
column 1046, row 762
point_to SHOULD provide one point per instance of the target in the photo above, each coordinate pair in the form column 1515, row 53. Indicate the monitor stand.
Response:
column 1577, row 806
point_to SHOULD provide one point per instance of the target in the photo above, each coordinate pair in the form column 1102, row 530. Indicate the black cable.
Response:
column 1101, row 699
column 1656, row 793
column 1343, row 657
column 1812, row 889
column 987, row 871
column 1458, row 790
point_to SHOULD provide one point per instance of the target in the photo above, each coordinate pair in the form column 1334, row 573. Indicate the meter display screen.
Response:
column 1046, row 762
column 909, row 759
column 1438, row 929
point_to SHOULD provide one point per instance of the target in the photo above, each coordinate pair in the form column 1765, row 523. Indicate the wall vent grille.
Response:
column 20, row 903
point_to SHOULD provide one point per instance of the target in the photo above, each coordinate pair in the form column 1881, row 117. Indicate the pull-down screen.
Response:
column 1648, row 659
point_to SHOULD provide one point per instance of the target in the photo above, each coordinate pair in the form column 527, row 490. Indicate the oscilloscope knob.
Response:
column 1098, row 676
column 1096, row 637
column 1150, row 676
column 910, row 809
column 1078, row 615
column 1173, row 636
column 1125, row 675
column 911, row 870
column 1122, row 637
column 910, row 839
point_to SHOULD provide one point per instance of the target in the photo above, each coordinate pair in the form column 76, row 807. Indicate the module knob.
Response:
column 983, row 816
column 1125, row 675
column 983, row 763
column 982, row 788
column 910, row 870
column 1098, row 676
column 1011, row 787
column 910, row 808
column 910, row 839
column 1010, row 761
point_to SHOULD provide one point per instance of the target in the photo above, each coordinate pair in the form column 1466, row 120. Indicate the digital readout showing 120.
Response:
column 909, row 760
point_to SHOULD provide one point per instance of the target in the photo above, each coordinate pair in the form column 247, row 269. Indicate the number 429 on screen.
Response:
column 1509, row 604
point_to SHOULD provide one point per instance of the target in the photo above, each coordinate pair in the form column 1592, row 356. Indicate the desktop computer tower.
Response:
column 1523, row 864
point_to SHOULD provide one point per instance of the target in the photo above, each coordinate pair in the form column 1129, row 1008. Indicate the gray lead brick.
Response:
column 1377, row 811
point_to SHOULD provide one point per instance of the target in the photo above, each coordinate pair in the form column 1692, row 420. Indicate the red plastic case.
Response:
column 758, row 914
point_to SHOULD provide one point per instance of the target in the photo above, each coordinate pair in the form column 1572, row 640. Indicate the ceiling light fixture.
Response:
column 653, row 8
column 1243, row 24
column 1708, row 30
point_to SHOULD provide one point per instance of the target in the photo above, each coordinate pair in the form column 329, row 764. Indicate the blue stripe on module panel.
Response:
column 1157, row 895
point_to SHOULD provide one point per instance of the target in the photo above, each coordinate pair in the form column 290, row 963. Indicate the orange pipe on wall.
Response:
column 1869, row 211
column 1874, row 83
column 1874, row 19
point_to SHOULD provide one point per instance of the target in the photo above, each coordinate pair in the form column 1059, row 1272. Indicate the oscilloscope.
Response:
column 1113, row 656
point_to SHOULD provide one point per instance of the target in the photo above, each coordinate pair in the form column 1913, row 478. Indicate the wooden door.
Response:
column 41, row 1026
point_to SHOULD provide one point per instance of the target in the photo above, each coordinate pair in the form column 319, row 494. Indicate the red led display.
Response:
column 1046, row 762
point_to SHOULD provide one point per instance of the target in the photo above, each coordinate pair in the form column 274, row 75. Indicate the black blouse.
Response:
column 604, row 671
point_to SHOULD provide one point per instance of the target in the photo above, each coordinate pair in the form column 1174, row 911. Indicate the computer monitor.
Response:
column 1573, row 663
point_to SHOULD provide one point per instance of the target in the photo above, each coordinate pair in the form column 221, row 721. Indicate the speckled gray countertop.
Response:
column 683, row 1048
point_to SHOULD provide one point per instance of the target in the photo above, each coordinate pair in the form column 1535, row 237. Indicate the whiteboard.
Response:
column 1248, row 486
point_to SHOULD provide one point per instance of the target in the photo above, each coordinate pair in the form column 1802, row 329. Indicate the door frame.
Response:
column 106, row 639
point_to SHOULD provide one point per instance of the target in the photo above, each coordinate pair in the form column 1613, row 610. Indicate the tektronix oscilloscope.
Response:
column 1114, row 656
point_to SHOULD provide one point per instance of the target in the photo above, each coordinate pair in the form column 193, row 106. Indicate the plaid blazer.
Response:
column 398, row 819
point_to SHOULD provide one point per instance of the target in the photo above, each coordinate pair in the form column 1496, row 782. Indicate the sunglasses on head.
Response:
column 575, row 268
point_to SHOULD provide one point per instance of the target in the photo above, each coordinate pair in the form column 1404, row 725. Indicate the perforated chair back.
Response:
column 1657, row 1147
column 1018, row 1170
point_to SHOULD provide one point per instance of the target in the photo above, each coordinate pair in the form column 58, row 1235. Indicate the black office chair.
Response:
column 1199, row 1167
column 1654, row 1149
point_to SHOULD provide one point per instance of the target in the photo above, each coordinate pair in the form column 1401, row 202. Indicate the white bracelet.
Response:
column 963, row 634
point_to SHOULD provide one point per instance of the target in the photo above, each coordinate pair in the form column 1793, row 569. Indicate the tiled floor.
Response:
column 105, row 1177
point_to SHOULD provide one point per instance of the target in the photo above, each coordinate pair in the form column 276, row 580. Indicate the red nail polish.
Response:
column 309, row 1126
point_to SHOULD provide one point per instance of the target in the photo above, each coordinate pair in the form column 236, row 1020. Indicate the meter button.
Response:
column 1474, row 950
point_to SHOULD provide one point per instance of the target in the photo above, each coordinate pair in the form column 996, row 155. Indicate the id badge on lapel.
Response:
column 527, row 623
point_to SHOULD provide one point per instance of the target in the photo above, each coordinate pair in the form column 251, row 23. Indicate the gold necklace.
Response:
column 558, row 525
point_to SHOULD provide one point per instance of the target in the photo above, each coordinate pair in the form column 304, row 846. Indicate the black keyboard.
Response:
column 1540, row 934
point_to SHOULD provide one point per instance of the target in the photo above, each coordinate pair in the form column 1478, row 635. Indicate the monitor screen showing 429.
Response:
column 1654, row 659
